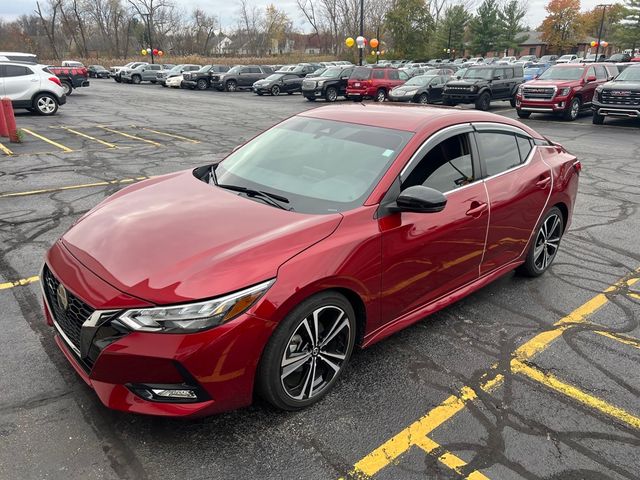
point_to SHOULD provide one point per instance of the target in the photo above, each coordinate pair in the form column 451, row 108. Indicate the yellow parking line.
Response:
column 19, row 283
column 106, row 144
column 452, row 461
column 575, row 393
column 48, row 140
column 73, row 187
column 402, row 441
column 6, row 150
column 133, row 137
column 634, row 295
column 172, row 135
column 620, row 338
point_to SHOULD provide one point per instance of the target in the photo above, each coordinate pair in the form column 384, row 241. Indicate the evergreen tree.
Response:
column 630, row 31
column 410, row 25
column 485, row 29
column 450, row 32
column 510, row 18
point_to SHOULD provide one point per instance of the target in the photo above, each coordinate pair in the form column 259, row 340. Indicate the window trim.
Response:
column 489, row 127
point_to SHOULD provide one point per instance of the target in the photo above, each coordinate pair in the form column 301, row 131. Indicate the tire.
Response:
column 522, row 114
column 231, row 86
column 571, row 113
column 544, row 244
column 423, row 99
column 164, row 85
column 294, row 391
column 45, row 104
column 512, row 101
column 202, row 84
column 381, row 95
column 483, row 102
column 331, row 95
column 275, row 90
column 598, row 119
column 68, row 88
column 117, row 79
column 259, row 94
column 153, row 81
column 311, row 99
column 136, row 79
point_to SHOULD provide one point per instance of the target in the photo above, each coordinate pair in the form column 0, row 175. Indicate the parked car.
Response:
column 19, row 57
column 619, row 97
column 174, row 81
column 202, row 79
column 482, row 84
column 528, row 58
column 146, row 72
column 71, row 77
column 548, row 59
column 163, row 75
column 567, row 58
column 474, row 61
column 242, row 76
column 32, row 86
column 115, row 71
column 563, row 89
column 459, row 61
column 422, row 89
column 590, row 58
column 374, row 82
column 508, row 59
column 534, row 70
column 330, row 85
column 619, row 58
column 303, row 69
column 97, row 71
column 72, row 64
column 327, row 251
column 278, row 83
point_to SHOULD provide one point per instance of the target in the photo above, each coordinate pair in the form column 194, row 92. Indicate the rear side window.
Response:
column 525, row 147
column 378, row 74
column 394, row 75
column 508, row 73
column 16, row 71
column 361, row 73
column 518, row 71
column 499, row 150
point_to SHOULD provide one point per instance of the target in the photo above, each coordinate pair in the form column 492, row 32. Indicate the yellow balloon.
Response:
column 350, row 42
column 143, row 52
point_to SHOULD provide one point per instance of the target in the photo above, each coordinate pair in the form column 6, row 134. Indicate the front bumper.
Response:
column 218, row 363
column 315, row 93
column 460, row 97
column 400, row 98
column 556, row 105
column 189, row 83
column 625, row 111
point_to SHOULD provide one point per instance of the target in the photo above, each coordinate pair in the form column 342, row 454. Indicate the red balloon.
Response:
column 155, row 51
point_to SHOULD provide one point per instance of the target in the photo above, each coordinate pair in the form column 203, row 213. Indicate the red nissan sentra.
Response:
column 186, row 294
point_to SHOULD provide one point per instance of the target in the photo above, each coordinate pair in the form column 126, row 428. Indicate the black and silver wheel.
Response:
column 275, row 90
column 202, row 84
column 573, row 110
column 331, row 95
column 423, row 99
column 45, row 104
column 483, row 102
column 381, row 95
column 545, row 244
column 136, row 79
column 308, row 352
column 231, row 86
column 68, row 89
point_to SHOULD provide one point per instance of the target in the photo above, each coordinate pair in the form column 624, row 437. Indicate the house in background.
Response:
column 534, row 45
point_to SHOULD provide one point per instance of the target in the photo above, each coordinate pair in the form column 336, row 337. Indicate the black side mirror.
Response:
column 420, row 199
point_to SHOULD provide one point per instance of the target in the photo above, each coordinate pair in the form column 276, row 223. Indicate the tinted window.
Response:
column 402, row 75
column 499, row 151
column 16, row 71
column 601, row 74
column 498, row 73
column 361, row 73
column 378, row 74
column 255, row 70
column 508, row 73
column 290, row 77
column 524, row 145
column 245, row 70
column 156, row 67
column 591, row 72
column 445, row 167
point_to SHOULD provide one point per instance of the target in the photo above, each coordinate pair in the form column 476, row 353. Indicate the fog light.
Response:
column 182, row 394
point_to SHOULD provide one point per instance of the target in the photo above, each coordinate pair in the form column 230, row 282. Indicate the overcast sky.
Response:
column 227, row 9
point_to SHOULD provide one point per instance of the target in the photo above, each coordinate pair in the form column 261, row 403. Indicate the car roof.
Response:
column 410, row 118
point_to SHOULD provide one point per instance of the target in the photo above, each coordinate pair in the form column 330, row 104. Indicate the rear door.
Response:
column 20, row 82
column 518, row 185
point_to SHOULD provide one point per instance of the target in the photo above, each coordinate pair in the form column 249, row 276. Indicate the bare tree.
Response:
column 49, row 23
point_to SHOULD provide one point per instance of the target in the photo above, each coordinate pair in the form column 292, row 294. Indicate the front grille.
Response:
column 69, row 320
column 308, row 84
column 538, row 93
column 620, row 97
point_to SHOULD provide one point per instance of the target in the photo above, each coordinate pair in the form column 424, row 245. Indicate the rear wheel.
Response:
column 545, row 244
column 522, row 114
column 202, row 84
column 331, row 95
column 573, row 110
column 598, row 119
column 308, row 352
column 136, row 79
column 68, row 89
column 483, row 102
column 45, row 104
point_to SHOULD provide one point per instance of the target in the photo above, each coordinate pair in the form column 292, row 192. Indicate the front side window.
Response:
column 499, row 150
column 378, row 74
column 601, row 73
column 445, row 167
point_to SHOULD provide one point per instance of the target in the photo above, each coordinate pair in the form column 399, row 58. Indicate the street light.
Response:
column 147, row 17
column 361, row 50
column 604, row 9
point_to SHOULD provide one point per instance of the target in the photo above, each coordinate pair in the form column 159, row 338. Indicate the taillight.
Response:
column 577, row 166
column 55, row 80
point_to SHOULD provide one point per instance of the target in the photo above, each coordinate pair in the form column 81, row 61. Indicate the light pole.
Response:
column 604, row 9
column 361, row 50
column 147, row 17
column 449, row 43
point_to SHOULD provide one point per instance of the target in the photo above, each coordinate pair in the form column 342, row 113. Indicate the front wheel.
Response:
column 275, row 90
column 545, row 244
column 308, row 352
column 45, row 104
column 202, row 84
column 512, row 101
column 331, row 95
column 136, row 79
column 572, row 112
column 483, row 102
column 231, row 86
column 423, row 99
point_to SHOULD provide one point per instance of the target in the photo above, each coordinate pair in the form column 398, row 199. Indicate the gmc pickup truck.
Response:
column 71, row 77
column 618, row 98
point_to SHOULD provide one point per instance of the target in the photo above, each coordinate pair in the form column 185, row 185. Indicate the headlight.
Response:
column 565, row 91
column 599, row 89
column 320, row 83
column 473, row 88
column 193, row 317
column 520, row 90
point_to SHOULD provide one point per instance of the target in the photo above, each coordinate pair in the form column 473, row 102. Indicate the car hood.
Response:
column 622, row 85
column 466, row 82
column 406, row 88
column 553, row 83
column 175, row 238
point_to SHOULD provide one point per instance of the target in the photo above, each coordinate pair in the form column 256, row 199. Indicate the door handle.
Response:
column 543, row 182
column 476, row 208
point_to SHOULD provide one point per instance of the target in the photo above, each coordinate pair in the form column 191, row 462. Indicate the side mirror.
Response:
column 420, row 199
column 591, row 78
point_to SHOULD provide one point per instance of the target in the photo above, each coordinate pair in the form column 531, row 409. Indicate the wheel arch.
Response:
column 565, row 214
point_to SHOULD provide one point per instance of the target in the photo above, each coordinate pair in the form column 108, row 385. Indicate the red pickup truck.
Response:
column 71, row 77
column 564, row 89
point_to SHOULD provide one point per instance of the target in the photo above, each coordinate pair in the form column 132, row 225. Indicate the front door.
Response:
column 426, row 255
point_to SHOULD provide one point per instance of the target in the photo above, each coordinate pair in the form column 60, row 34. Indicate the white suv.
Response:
column 32, row 87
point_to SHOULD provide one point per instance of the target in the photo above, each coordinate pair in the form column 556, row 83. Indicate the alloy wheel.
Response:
column 424, row 99
column 575, row 109
column 231, row 86
column 46, row 105
column 315, row 353
column 547, row 242
column 202, row 84
column 381, row 96
column 332, row 94
column 275, row 90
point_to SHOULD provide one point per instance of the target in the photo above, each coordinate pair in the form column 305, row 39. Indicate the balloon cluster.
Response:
column 361, row 42
column 603, row 44
column 155, row 51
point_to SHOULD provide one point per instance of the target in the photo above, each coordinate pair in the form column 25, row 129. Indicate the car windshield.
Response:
column 419, row 80
column 361, row 73
column 235, row 69
column 274, row 77
column 177, row 68
column 562, row 73
column 331, row 72
column 483, row 73
column 321, row 166
column 630, row 75
column 99, row 67
column 532, row 70
column 205, row 69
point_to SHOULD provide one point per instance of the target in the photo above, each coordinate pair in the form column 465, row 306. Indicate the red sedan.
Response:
column 185, row 294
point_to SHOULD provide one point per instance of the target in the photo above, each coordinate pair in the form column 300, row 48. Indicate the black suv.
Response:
column 484, row 83
column 330, row 85
column 618, row 98
column 241, row 76
column 201, row 79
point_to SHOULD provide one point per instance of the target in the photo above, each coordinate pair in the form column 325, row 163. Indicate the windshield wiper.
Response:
column 270, row 198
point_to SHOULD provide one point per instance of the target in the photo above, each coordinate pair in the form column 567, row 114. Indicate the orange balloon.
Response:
column 374, row 43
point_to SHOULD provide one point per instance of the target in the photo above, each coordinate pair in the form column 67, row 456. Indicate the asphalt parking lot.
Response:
column 525, row 379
